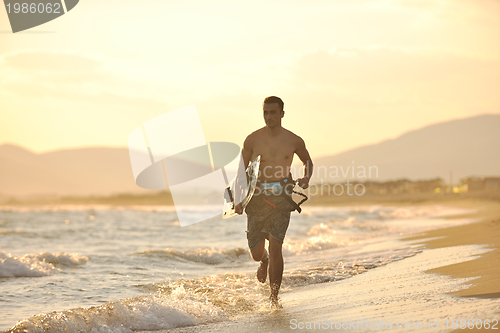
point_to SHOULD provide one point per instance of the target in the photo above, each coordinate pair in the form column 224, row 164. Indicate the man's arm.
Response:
column 246, row 153
column 304, row 156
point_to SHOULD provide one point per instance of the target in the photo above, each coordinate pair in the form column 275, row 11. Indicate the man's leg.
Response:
column 259, row 253
column 275, row 267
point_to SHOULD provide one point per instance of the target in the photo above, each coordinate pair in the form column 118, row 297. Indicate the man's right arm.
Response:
column 246, row 153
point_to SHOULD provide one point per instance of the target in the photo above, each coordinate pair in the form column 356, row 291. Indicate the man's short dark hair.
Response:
column 274, row 99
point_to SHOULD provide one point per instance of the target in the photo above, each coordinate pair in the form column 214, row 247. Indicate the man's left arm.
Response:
column 304, row 156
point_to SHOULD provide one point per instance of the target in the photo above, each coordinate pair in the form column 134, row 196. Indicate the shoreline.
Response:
column 407, row 199
column 453, row 277
column 485, row 232
column 163, row 198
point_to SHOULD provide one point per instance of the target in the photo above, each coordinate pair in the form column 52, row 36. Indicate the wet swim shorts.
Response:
column 268, row 213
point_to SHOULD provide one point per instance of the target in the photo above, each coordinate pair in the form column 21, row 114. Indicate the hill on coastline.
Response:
column 464, row 147
column 83, row 171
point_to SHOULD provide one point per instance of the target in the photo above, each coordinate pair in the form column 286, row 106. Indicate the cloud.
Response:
column 56, row 71
column 51, row 62
column 64, row 76
column 102, row 98
column 365, row 66
column 390, row 74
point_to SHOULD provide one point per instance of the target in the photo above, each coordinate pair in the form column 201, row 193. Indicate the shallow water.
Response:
column 104, row 269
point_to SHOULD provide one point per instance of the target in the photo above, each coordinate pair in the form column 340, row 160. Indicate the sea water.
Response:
column 122, row 269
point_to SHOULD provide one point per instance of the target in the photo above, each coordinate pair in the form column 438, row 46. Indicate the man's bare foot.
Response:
column 274, row 302
column 273, row 298
column 262, row 270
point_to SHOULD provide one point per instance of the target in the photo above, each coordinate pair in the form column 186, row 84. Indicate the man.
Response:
column 269, row 210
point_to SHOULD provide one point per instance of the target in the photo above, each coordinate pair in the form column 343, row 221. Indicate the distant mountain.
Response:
column 466, row 147
column 84, row 171
column 463, row 147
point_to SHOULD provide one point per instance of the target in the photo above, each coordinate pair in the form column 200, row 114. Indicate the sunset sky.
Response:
column 350, row 72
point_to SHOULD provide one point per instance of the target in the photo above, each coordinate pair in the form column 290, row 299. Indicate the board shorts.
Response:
column 268, row 214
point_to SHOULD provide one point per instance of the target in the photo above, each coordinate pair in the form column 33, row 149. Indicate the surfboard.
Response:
column 241, row 188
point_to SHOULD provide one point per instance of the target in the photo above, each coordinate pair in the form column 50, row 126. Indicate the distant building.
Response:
column 481, row 183
column 473, row 183
column 436, row 185
column 404, row 186
column 492, row 183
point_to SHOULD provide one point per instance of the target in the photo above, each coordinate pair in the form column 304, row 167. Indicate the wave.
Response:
column 232, row 293
column 236, row 293
column 318, row 243
column 188, row 302
column 321, row 237
column 335, row 271
column 366, row 225
column 209, row 256
column 36, row 265
column 124, row 316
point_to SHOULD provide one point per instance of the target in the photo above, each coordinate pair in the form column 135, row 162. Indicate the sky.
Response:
column 351, row 73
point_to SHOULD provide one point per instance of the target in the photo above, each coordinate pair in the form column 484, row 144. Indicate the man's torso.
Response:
column 276, row 154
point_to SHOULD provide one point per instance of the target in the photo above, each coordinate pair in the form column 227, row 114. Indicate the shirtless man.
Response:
column 277, row 146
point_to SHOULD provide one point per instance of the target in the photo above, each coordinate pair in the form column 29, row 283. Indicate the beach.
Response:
column 455, row 278
column 402, row 266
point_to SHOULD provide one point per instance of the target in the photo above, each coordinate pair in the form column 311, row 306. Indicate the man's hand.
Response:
column 303, row 182
column 238, row 209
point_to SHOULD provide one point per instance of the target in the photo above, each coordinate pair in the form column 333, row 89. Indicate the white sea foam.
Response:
column 366, row 223
column 36, row 265
column 62, row 258
column 125, row 316
column 210, row 256
column 236, row 293
column 233, row 293
column 317, row 243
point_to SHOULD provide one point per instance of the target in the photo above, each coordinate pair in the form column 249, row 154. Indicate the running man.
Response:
column 268, row 213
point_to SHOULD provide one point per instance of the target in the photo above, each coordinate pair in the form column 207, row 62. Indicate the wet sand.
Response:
column 487, row 232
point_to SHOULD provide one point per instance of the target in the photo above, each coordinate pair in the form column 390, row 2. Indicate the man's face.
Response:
column 272, row 114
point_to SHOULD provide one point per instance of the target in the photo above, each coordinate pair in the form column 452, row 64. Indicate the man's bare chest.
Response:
column 274, row 150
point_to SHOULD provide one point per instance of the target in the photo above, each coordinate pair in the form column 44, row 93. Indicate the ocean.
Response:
column 125, row 269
